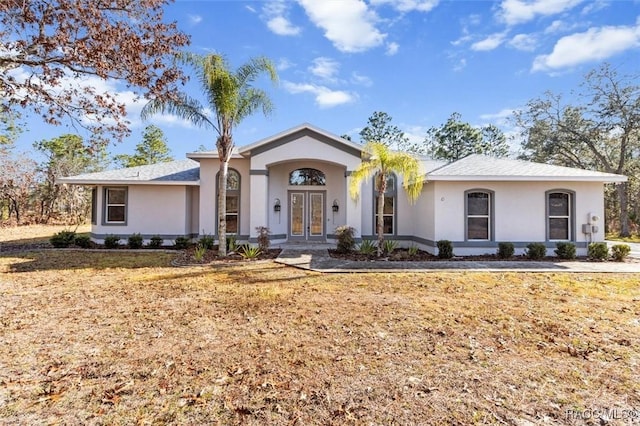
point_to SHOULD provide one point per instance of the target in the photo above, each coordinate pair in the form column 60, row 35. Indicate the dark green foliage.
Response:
column 156, row 241
column 536, row 251
column 389, row 246
column 250, row 252
column 232, row 243
column 82, row 241
column 181, row 243
column 135, row 241
column 620, row 251
column 111, row 241
column 598, row 251
column 445, row 249
column 506, row 250
column 263, row 238
column 62, row 239
column 207, row 241
column 367, row 247
column 151, row 150
column 565, row 250
column 346, row 241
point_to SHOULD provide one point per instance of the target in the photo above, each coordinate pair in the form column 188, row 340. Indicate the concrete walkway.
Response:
column 315, row 257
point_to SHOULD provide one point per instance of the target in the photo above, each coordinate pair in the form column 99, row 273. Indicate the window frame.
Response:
column 571, row 228
column 233, row 193
column 320, row 172
column 107, row 205
column 490, row 214
column 94, row 205
column 391, row 192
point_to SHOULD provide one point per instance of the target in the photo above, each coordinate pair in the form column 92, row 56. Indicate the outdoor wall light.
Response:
column 276, row 205
column 335, row 206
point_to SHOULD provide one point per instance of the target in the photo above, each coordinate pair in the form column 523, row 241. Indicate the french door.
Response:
column 306, row 215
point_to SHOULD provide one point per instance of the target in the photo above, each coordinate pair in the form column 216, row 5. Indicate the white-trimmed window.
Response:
column 389, row 209
column 478, row 215
column 559, row 220
column 115, row 205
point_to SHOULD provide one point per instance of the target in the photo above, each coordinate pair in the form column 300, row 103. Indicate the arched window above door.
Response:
column 307, row 176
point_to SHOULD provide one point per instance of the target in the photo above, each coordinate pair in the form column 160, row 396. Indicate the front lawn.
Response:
column 122, row 338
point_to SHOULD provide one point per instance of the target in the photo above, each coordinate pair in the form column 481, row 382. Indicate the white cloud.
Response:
column 559, row 26
column 325, row 68
column 460, row 65
column 595, row 44
column 348, row 24
column 408, row 5
column 519, row 11
column 524, row 42
column 284, row 64
column 362, row 80
column 195, row 19
column 392, row 48
column 491, row 42
column 275, row 14
column 324, row 97
column 500, row 118
column 415, row 134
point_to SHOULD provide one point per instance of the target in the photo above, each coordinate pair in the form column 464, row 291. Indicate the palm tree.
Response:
column 379, row 161
column 231, row 98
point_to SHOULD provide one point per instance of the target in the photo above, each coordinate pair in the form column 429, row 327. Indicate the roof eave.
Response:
column 89, row 182
column 462, row 178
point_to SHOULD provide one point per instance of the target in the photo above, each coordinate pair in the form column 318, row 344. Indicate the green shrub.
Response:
column 620, row 251
column 111, row 241
column 181, row 243
column 263, row 237
column 389, row 246
column 346, row 241
column 367, row 247
column 62, row 239
column 156, row 241
column 207, row 241
column 82, row 241
column 135, row 241
column 536, row 251
column 250, row 252
column 565, row 250
column 232, row 243
column 199, row 252
column 445, row 249
column 506, row 250
column 598, row 251
column 412, row 250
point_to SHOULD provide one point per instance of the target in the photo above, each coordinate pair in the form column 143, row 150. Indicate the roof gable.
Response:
column 298, row 132
column 482, row 167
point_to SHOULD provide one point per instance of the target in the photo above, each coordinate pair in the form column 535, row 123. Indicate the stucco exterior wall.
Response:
column 151, row 210
column 519, row 214
column 208, row 204
column 278, row 187
column 304, row 148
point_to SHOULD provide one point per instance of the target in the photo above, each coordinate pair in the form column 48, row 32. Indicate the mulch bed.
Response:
column 187, row 257
column 402, row 255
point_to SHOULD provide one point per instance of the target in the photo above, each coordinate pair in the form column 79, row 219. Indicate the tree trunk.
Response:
column 621, row 189
column 382, row 188
column 222, row 208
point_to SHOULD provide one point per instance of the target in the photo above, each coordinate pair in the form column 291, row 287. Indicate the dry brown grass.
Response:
column 116, row 338
column 35, row 233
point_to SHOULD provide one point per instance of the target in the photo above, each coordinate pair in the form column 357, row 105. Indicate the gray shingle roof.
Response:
column 174, row 172
column 481, row 167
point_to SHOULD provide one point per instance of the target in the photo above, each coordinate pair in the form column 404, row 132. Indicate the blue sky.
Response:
column 417, row 60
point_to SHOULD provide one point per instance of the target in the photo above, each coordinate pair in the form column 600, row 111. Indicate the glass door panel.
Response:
column 316, row 216
column 297, row 214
